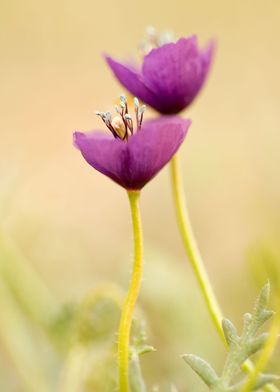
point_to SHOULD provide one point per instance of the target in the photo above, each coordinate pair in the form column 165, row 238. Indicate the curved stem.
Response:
column 196, row 259
column 191, row 247
column 133, row 291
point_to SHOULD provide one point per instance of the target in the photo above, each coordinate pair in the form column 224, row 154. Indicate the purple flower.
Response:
column 170, row 77
column 131, row 157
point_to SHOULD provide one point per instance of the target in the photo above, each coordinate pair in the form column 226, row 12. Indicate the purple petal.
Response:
column 176, row 72
column 207, row 57
column 132, row 80
column 153, row 147
column 136, row 162
column 104, row 153
column 171, row 75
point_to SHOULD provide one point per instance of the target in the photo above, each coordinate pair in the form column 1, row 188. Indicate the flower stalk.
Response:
column 196, row 259
column 191, row 247
column 132, row 295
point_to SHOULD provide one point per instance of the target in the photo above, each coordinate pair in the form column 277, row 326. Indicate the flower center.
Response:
column 154, row 39
column 122, row 126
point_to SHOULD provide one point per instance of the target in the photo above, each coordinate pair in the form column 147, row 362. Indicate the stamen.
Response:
column 123, row 98
column 136, row 102
column 129, row 122
column 122, row 126
column 106, row 117
column 123, row 103
column 136, row 109
column 154, row 39
column 140, row 115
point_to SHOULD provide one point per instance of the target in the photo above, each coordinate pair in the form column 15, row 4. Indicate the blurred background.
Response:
column 65, row 229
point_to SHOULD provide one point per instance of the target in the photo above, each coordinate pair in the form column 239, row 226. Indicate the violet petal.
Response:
column 134, row 163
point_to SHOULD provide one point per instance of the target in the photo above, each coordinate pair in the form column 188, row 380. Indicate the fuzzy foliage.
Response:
column 241, row 348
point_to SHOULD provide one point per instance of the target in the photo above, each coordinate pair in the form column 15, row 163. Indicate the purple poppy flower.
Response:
column 131, row 157
column 170, row 77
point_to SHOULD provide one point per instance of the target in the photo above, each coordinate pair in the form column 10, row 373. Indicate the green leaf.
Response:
column 261, row 314
column 144, row 349
column 266, row 315
column 247, row 319
column 265, row 379
column 202, row 368
column 256, row 344
column 240, row 349
column 230, row 332
column 263, row 298
column 136, row 380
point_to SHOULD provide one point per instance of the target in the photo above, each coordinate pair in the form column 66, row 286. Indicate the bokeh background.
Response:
column 72, row 226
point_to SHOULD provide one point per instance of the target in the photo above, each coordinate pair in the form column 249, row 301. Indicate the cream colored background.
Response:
column 72, row 223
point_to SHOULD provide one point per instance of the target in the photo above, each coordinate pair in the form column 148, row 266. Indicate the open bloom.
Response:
column 170, row 77
column 132, row 156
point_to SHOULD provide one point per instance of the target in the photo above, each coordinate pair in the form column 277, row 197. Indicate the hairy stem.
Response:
column 133, row 291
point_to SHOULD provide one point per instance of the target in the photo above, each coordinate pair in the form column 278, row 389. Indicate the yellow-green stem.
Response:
column 191, row 247
column 196, row 259
column 133, row 291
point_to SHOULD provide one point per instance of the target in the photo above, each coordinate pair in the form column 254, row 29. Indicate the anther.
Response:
column 136, row 103
column 142, row 109
column 123, row 98
column 108, row 117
